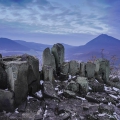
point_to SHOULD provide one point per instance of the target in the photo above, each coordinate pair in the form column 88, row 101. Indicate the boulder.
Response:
column 102, row 69
column 90, row 70
column 65, row 68
column 33, row 62
column 6, row 101
column 73, row 86
column 105, row 70
column 82, row 69
column 58, row 52
column 96, row 86
column 48, row 73
column 48, row 58
column 33, row 76
column 49, row 90
column 97, row 65
column 69, row 94
column 74, row 68
column 17, row 78
column 83, row 82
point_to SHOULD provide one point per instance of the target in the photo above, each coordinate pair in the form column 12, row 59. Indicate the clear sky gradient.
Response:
column 73, row 22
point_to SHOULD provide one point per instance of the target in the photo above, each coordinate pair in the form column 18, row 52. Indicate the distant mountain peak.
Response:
column 103, row 36
column 103, row 40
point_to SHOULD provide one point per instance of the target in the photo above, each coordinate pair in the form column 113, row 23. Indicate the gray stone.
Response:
column 3, row 78
column 92, row 99
column 6, row 101
column 65, row 116
column 58, row 52
column 102, row 69
column 34, row 63
column 97, row 64
column 49, row 90
column 65, row 68
column 96, row 86
column 69, row 94
column 103, row 108
column 83, row 82
column 73, row 86
column 90, row 70
column 33, row 76
column 74, row 68
column 48, row 58
column 48, row 73
column 105, row 70
column 116, row 79
column 17, row 77
column 82, row 69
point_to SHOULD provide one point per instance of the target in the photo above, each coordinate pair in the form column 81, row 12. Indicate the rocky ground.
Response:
column 66, row 104
column 70, row 90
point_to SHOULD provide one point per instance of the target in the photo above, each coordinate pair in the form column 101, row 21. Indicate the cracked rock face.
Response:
column 48, row 58
column 17, row 77
column 58, row 52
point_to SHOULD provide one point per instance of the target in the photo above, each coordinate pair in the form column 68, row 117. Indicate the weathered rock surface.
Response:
column 58, row 52
column 6, row 101
column 49, row 90
column 17, row 77
column 33, row 76
column 96, row 86
column 33, row 62
column 90, row 70
column 69, row 94
column 82, row 69
column 65, row 68
column 3, row 78
column 83, row 82
column 48, row 58
column 105, row 70
column 74, row 68
column 48, row 73
column 73, row 86
column 103, row 108
column 74, row 98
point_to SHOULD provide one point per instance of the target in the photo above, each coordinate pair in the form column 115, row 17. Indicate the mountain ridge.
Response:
column 10, row 45
column 92, row 48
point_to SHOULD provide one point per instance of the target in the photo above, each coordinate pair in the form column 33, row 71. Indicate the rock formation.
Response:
column 17, row 77
column 48, row 58
column 90, row 70
column 65, row 90
column 58, row 52
column 74, row 68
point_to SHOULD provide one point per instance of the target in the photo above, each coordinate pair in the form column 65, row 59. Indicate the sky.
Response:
column 74, row 22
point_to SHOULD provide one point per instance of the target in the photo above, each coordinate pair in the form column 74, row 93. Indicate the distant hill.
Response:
column 38, row 46
column 10, row 45
column 33, row 45
column 110, row 45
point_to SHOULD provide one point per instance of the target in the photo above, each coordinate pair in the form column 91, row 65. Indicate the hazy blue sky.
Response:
column 73, row 22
